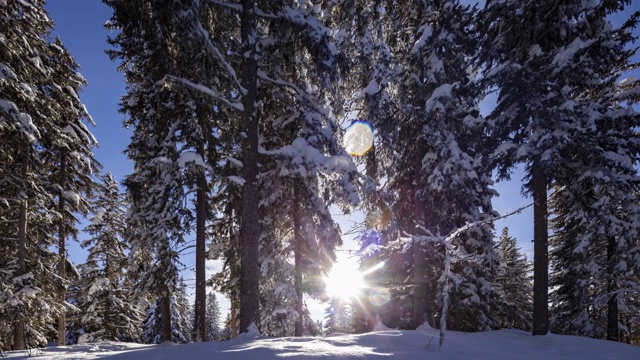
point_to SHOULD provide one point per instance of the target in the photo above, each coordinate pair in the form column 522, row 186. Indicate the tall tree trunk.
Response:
column 249, row 222
column 297, row 228
column 18, row 332
column 201, row 292
column 166, row 318
column 540, row 251
column 109, row 324
column 419, row 273
column 234, row 316
column 62, row 250
column 612, row 287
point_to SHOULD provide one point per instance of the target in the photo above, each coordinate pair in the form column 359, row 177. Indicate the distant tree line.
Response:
column 237, row 110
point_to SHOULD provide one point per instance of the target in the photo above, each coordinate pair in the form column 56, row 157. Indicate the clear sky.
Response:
column 79, row 23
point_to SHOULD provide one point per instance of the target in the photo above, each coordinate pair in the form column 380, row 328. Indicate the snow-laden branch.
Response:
column 265, row 15
column 232, row 6
column 447, row 276
column 207, row 90
column 452, row 235
column 263, row 75
column 211, row 46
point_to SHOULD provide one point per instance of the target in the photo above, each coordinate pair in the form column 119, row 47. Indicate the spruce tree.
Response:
column 513, row 285
column 171, row 144
column 214, row 318
column 46, row 164
column 337, row 318
column 594, row 199
column 179, row 311
column 106, row 308
column 546, row 60
column 421, row 85
column 293, row 117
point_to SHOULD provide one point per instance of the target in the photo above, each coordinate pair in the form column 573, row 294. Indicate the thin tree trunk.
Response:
column 62, row 250
column 419, row 273
column 201, row 292
column 109, row 325
column 234, row 311
column 612, row 287
column 297, row 228
column 166, row 318
column 540, row 251
column 18, row 334
column 249, row 222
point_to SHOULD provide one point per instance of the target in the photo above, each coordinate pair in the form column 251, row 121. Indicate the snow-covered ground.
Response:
column 389, row 344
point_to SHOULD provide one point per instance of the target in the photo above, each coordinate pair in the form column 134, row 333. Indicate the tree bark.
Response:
column 62, row 250
column 109, row 324
column 249, row 222
column 201, row 292
column 419, row 273
column 166, row 318
column 297, row 228
column 18, row 331
column 540, row 251
column 612, row 288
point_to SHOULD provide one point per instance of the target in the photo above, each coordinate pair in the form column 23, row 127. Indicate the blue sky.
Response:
column 79, row 23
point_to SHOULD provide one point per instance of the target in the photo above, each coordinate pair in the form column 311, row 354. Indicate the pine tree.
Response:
column 513, row 285
column 46, row 153
column 337, row 317
column 421, row 85
column 522, row 40
column 171, row 129
column 595, row 234
column 179, row 311
column 553, row 65
column 213, row 318
column 106, row 308
column 285, row 92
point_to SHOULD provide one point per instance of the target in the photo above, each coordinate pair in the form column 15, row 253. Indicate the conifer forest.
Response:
column 240, row 114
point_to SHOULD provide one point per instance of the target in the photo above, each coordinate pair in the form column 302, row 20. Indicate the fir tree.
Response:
column 513, row 285
column 106, row 308
column 182, row 327
column 553, row 65
column 421, row 85
column 337, row 317
column 213, row 318
column 46, row 153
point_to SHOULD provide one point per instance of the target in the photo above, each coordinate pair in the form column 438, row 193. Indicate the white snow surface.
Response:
column 384, row 344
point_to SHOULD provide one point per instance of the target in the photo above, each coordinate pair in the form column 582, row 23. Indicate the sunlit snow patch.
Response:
column 358, row 138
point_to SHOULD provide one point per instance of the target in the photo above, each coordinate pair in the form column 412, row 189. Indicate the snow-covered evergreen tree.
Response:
column 336, row 317
column 107, row 308
column 595, row 254
column 180, row 310
column 555, row 66
column 421, row 85
column 513, row 285
column 45, row 154
column 214, row 318
column 298, row 142
column 172, row 125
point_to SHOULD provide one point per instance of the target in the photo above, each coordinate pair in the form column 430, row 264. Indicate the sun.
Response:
column 344, row 281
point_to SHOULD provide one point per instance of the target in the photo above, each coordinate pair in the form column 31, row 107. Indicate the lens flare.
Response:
column 379, row 296
column 358, row 138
